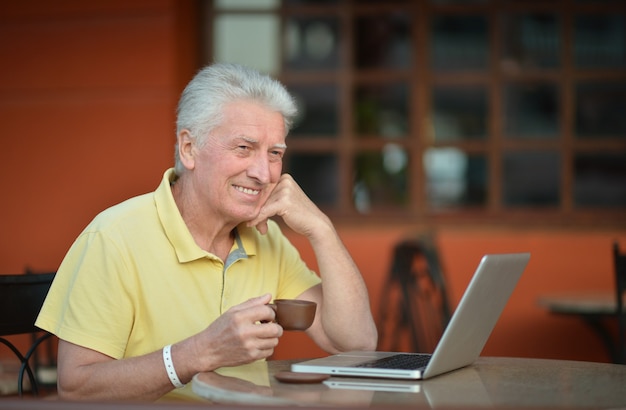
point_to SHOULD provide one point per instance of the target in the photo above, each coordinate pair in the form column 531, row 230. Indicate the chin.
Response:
column 244, row 216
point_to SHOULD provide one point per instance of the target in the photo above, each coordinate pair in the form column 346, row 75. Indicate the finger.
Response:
column 260, row 222
column 267, row 345
column 253, row 302
column 270, row 331
column 263, row 299
column 269, row 208
column 262, row 227
column 254, row 310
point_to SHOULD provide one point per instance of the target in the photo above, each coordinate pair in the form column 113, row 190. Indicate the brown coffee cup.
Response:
column 294, row 314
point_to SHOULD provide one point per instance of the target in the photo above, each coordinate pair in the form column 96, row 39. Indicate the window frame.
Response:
column 420, row 80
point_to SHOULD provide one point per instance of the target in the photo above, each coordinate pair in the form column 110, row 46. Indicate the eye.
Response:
column 276, row 155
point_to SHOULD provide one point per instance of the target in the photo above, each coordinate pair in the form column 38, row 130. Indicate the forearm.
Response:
column 142, row 378
column 139, row 378
column 233, row 339
column 346, row 314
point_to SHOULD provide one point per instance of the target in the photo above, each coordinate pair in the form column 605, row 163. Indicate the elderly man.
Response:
column 175, row 282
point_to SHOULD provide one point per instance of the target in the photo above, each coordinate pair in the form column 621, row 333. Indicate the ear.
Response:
column 186, row 144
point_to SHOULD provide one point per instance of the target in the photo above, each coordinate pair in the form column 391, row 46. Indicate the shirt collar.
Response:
column 178, row 234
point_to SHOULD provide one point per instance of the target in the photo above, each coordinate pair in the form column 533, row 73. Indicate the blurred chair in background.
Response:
column 620, row 287
column 21, row 298
column 414, row 308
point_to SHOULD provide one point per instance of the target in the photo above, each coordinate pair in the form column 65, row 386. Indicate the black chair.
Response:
column 414, row 308
column 21, row 298
column 620, row 287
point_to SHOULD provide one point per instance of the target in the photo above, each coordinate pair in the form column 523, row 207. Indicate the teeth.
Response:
column 246, row 190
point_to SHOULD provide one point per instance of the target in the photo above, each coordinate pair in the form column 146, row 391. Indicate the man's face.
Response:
column 240, row 164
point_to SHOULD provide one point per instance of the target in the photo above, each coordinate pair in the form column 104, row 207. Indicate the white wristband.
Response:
column 169, row 367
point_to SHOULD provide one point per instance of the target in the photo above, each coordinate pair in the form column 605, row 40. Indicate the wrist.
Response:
column 169, row 367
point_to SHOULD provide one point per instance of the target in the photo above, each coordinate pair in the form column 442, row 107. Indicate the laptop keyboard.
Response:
column 399, row 361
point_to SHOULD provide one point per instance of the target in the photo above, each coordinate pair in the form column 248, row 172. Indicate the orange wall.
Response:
column 87, row 97
column 561, row 260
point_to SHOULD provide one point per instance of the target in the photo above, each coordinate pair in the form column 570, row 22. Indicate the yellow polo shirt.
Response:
column 135, row 280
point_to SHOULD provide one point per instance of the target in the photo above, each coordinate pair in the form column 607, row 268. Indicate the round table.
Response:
column 489, row 382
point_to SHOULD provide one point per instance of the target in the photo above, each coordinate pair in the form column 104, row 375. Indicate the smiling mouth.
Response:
column 247, row 190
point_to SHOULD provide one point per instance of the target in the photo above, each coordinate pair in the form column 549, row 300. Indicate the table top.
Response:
column 580, row 303
column 489, row 382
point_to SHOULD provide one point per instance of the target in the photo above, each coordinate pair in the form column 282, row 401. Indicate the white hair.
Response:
column 201, row 103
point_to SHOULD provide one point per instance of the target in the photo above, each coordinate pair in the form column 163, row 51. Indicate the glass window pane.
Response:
column 600, row 179
column 460, row 2
column 459, row 113
column 231, row 40
column 532, row 110
column 246, row 4
column 380, row 1
column 311, row 43
column 383, row 41
column 534, row 1
column 454, row 178
column 531, row 178
column 381, row 179
column 382, row 109
column 600, row 41
column 317, row 176
column 318, row 110
column 460, row 42
column 601, row 110
column 530, row 41
column 310, row 2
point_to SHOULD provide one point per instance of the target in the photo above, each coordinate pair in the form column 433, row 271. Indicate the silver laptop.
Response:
column 462, row 341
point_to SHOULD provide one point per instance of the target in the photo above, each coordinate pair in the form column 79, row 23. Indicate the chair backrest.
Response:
column 620, row 274
column 620, row 287
column 414, row 306
column 21, row 298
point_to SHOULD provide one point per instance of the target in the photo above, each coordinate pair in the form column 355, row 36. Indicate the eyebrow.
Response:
column 253, row 141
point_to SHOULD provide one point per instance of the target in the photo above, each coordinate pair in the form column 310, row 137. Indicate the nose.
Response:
column 259, row 168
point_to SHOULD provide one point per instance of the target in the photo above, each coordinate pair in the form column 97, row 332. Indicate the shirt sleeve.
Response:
column 89, row 302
